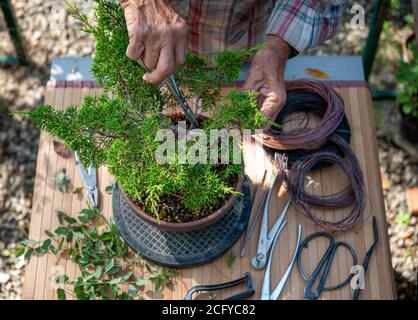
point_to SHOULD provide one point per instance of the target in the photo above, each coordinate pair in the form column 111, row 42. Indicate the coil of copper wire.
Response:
column 300, row 138
column 353, row 195
column 333, row 136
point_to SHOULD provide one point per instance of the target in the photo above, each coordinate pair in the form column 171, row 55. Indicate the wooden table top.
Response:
column 379, row 283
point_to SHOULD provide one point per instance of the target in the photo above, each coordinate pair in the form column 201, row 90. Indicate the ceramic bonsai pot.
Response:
column 191, row 225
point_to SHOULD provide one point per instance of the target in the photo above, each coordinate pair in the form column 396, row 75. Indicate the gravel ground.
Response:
column 48, row 33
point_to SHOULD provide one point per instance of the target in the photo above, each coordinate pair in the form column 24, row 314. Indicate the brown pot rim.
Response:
column 186, row 226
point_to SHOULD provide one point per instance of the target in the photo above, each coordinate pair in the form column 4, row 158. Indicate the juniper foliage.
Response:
column 118, row 127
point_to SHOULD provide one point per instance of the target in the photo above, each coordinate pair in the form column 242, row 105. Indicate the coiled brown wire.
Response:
column 302, row 137
column 353, row 195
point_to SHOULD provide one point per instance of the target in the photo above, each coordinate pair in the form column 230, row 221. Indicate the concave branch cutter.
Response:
column 174, row 88
column 265, row 239
column 89, row 177
column 265, row 291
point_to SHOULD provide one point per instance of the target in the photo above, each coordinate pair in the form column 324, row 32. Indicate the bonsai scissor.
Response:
column 324, row 265
column 174, row 88
column 89, row 177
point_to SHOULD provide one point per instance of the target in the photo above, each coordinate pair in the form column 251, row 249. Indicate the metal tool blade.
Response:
column 172, row 85
column 277, row 225
column 265, row 291
column 89, row 178
column 251, row 226
column 375, row 230
column 280, row 286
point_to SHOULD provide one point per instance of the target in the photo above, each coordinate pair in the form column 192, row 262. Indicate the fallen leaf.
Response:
column 316, row 73
column 61, row 150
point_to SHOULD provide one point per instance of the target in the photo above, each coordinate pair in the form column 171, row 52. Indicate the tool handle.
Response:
column 215, row 287
column 366, row 261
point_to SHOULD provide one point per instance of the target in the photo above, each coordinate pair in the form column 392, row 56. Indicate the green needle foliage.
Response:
column 118, row 127
column 94, row 244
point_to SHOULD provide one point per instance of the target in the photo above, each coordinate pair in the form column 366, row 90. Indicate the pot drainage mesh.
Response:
column 181, row 249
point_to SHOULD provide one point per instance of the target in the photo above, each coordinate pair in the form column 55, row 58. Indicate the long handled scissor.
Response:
column 265, row 291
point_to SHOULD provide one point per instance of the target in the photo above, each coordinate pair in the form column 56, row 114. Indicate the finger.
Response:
column 150, row 56
column 255, row 79
column 180, row 53
column 135, row 50
column 164, row 68
column 271, row 105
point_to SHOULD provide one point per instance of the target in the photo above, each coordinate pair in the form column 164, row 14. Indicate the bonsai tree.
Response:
column 118, row 127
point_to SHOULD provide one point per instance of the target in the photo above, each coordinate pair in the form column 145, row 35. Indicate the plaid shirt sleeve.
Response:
column 305, row 23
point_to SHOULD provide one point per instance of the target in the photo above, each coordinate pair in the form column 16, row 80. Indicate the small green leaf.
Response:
column 116, row 268
column 77, row 190
column 28, row 242
column 62, row 231
column 80, row 293
column 61, row 243
column 230, row 258
column 69, row 236
column 109, row 189
column 83, row 260
column 98, row 272
column 109, row 264
column 402, row 219
column 53, row 249
column 61, row 294
column 126, row 276
column 49, row 233
column 142, row 282
column 70, row 220
column 83, row 218
column 157, row 283
column 133, row 291
column 79, row 235
column 126, row 296
column 60, row 216
column 62, row 181
column 46, row 244
column 62, row 278
column 20, row 251
column 39, row 250
column 28, row 253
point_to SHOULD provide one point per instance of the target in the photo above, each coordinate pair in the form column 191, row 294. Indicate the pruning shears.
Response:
column 89, row 177
column 174, row 88
column 265, row 291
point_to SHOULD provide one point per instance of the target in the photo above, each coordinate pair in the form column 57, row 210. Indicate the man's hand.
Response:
column 157, row 37
column 267, row 75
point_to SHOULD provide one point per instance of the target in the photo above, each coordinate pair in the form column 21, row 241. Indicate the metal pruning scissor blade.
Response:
column 369, row 253
column 174, row 88
column 89, row 177
column 265, row 291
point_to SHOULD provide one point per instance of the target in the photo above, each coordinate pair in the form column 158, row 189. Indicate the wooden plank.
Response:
column 379, row 278
column 39, row 198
